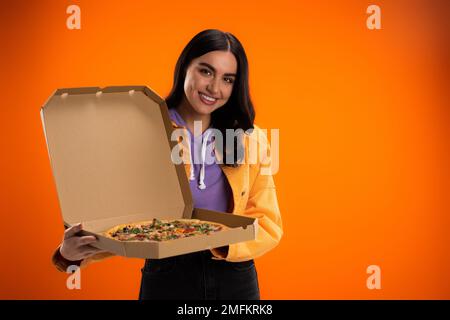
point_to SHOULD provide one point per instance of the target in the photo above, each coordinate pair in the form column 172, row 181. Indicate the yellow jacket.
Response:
column 254, row 195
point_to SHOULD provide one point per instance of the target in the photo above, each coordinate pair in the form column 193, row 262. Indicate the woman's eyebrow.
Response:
column 214, row 70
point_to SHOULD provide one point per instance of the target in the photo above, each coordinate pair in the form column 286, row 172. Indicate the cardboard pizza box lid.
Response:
column 110, row 153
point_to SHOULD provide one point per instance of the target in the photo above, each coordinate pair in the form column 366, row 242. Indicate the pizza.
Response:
column 163, row 230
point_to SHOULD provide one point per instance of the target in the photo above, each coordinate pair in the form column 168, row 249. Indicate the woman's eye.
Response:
column 229, row 80
column 205, row 71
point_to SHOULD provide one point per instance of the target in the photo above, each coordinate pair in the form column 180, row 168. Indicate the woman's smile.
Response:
column 207, row 99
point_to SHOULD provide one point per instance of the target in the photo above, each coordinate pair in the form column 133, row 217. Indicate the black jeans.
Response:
column 197, row 276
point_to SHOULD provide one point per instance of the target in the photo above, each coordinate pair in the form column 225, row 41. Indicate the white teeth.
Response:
column 207, row 98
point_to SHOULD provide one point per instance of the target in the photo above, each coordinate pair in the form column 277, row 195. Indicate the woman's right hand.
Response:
column 74, row 248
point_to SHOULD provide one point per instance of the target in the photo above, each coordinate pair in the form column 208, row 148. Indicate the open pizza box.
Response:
column 110, row 153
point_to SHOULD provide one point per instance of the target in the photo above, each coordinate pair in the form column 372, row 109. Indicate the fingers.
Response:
column 70, row 232
column 78, row 247
column 90, row 251
column 86, row 240
column 95, row 251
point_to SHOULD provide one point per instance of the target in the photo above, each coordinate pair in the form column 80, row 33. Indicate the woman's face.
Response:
column 209, row 81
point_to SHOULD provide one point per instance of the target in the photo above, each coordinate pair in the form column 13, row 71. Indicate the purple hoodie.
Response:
column 210, row 189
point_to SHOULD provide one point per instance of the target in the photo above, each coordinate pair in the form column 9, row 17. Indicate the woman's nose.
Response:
column 213, row 87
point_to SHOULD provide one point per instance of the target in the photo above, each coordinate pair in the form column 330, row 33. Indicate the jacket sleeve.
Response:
column 262, row 204
column 62, row 264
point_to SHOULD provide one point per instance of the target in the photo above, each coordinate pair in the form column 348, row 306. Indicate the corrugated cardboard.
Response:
column 110, row 153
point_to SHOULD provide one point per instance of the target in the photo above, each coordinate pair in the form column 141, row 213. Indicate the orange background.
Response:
column 363, row 118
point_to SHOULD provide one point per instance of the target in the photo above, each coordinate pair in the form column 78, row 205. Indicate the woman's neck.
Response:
column 189, row 116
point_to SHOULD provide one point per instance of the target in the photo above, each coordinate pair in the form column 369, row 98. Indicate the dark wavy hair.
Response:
column 238, row 112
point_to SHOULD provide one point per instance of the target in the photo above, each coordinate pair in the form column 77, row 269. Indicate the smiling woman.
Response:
column 211, row 86
column 208, row 85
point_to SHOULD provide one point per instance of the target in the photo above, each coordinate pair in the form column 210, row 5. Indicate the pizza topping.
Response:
column 158, row 230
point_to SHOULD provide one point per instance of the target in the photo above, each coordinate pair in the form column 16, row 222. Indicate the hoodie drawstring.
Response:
column 201, row 184
column 191, row 163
